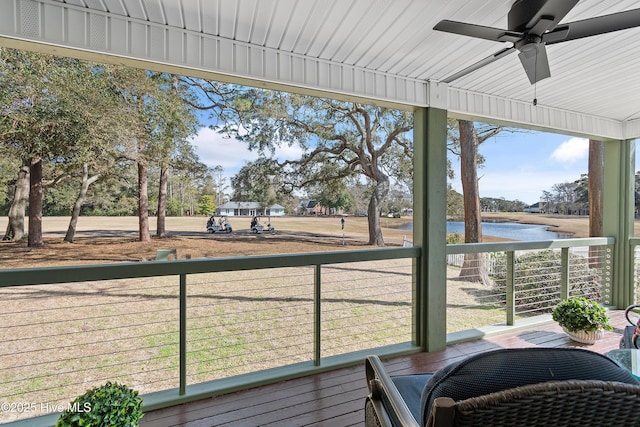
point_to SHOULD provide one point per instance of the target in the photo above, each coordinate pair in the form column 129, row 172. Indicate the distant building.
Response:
column 275, row 210
column 309, row 207
column 539, row 207
column 233, row 208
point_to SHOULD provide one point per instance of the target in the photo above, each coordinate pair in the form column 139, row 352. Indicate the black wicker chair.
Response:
column 509, row 387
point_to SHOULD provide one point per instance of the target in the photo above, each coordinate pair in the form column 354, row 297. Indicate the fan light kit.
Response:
column 532, row 25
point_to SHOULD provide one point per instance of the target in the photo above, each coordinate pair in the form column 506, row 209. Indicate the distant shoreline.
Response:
column 577, row 226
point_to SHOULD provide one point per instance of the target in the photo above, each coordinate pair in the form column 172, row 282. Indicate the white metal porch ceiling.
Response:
column 384, row 50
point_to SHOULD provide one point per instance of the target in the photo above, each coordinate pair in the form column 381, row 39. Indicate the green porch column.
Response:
column 618, row 215
column 429, row 225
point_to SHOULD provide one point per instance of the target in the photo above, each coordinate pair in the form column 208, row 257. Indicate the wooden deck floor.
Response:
column 336, row 398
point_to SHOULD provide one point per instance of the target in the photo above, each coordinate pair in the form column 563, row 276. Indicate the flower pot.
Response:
column 585, row 337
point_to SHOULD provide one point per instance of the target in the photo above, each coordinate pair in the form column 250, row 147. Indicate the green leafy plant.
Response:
column 454, row 238
column 581, row 314
column 110, row 405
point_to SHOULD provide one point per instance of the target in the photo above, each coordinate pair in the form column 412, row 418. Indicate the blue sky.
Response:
column 523, row 165
column 518, row 165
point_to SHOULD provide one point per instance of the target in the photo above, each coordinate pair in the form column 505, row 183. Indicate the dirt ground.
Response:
column 115, row 239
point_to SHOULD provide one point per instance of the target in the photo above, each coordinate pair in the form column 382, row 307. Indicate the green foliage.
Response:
column 111, row 405
column 206, row 206
column 537, row 279
column 581, row 314
column 454, row 238
column 259, row 181
column 333, row 195
column 455, row 203
column 174, row 207
column 493, row 204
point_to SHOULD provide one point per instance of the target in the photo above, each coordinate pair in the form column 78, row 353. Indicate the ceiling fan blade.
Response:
column 557, row 35
column 486, row 61
column 535, row 63
column 594, row 26
column 478, row 31
column 551, row 12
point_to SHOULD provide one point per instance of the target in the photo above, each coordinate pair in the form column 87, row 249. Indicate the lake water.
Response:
column 506, row 230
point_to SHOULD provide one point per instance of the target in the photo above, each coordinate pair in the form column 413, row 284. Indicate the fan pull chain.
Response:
column 535, row 78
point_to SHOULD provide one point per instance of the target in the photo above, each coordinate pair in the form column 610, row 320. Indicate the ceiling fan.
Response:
column 533, row 24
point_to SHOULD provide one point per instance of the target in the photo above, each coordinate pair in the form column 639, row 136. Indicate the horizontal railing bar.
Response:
column 87, row 273
column 466, row 248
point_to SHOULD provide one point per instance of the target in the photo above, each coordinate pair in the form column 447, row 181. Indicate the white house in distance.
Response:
column 539, row 207
column 232, row 208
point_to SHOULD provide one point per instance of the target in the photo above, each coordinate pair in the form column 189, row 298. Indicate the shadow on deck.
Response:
column 336, row 398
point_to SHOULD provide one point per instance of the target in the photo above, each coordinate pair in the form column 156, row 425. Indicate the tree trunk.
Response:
column 596, row 184
column 162, row 202
column 473, row 268
column 75, row 214
column 15, row 226
column 143, row 203
column 374, row 210
column 181, row 196
column 36, row 193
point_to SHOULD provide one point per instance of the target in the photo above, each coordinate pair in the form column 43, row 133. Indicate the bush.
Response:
column 111, row 405
column 454, row 238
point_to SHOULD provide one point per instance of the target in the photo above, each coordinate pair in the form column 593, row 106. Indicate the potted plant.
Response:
column 582, row 319
column 111, row 405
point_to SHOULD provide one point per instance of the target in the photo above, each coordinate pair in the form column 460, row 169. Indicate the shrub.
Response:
column 111, row 405
column 454, row 238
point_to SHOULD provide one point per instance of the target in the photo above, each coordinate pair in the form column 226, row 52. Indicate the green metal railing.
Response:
column 185, row 314
column 506, row 281
column 635, row 246
column 199, row 309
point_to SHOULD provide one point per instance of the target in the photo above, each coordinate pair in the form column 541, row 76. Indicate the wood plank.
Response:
column 336, row 398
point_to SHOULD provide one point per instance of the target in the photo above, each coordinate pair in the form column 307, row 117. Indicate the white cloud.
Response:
column 571, row 151
column 215, row 149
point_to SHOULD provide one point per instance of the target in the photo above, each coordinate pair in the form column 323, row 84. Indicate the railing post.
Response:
column 510, row 289
column 317, row 312
column 183, row 334
column 564, row 273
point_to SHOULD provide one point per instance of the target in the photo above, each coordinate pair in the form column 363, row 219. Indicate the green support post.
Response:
column 183, row 335
column 564, row 273
column 429, row 226
column 511, row 289
column 317, row 325
column 618, row 216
